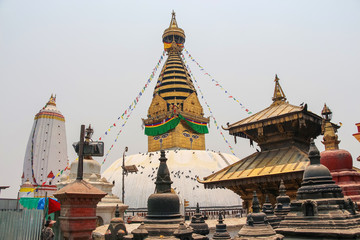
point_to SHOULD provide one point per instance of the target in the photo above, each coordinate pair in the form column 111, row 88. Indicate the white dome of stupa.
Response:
column 184, row 166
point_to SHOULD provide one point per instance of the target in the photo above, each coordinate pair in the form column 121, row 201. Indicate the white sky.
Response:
column 97, row 55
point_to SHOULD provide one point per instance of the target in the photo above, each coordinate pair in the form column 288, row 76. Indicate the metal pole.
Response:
column 123, row 175
column 81, row 157
column 44, row 212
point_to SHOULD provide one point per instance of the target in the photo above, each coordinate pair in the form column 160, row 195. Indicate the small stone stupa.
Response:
column 198, row 223
column 257, row 226
column 117, row 228
column 282, row 206
column 220, row 232
column 269, row 211
column 163, row 219
column 320, row 211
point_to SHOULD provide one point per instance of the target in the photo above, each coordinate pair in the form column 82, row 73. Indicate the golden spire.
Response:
column 279, row 95
column 330, row 138
column 173, row 37
column 52, row 100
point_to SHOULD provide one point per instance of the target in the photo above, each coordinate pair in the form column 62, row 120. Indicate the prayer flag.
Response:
column 54, row 206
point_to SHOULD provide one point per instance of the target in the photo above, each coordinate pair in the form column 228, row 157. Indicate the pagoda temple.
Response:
column 46, row 152
column 283, row 132
column 175, row 117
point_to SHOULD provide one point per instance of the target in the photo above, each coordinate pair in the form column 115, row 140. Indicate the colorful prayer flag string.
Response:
column 217, row 84
column 130, row 109
column 135, row 101
column 208, row 106
column 127, row 113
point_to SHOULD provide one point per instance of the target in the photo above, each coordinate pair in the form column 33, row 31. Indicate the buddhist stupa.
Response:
column 175, row 123
column 46, row 152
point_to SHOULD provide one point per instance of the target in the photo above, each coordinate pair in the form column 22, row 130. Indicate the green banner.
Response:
column 162, row 127
column 198, row 127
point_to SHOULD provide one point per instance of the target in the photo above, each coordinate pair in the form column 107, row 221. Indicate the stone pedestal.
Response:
column 78, row 209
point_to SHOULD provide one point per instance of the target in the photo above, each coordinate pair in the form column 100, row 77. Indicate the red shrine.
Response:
column 339, row 161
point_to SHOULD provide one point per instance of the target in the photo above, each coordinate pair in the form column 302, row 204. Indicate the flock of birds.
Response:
column 174, row 174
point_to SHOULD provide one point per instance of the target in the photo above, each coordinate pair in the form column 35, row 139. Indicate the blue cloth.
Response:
column 41, row 203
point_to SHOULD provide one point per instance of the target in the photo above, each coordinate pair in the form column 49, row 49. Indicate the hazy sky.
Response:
column 97, row 55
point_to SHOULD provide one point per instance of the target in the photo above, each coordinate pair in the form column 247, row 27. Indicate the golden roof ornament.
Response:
column 279, row 95
column 52, row 100
column 330, row 139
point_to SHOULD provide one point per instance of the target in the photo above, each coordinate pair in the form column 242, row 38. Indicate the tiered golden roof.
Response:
column 174, row 84
column 265, row 163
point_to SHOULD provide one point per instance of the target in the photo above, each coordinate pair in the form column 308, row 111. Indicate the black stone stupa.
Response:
column 257, row 226
column 320, row 210
column 198, row 223
column 269, row 211
column 282, row 206
column 220, row 231
column 163, row 219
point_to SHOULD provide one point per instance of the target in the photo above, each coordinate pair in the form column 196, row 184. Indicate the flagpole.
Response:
column 43, row 223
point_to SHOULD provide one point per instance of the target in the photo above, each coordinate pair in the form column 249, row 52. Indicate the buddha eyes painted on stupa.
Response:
column 161, row 136
column 186, row 134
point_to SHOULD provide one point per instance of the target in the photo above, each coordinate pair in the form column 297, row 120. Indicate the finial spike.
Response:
column 279, row 95
column 314, row 154
column 163, row 180
column 117, row 212
column 220, row 220
column 52, row 101
column 255, row 203
column 282, row 188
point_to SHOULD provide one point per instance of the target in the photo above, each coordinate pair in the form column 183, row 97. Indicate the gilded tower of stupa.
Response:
column 175, row 123
column 175, row 116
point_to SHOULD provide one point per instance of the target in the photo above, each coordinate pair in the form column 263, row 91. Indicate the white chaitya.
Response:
column 46, row 151
column 184, row 166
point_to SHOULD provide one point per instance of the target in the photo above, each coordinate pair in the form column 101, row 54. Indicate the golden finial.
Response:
column 173, row 37
column 330, row 139
column 52, row 100
column 279, row 95
column 173, row 23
